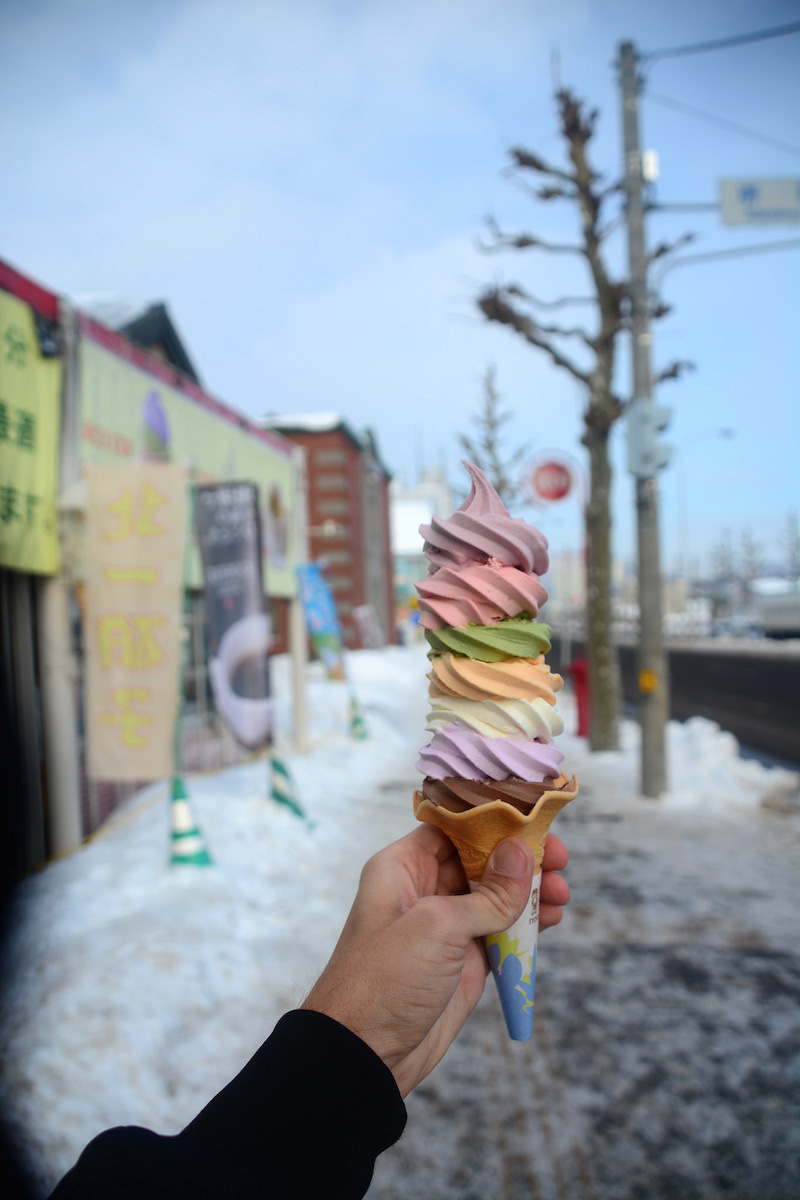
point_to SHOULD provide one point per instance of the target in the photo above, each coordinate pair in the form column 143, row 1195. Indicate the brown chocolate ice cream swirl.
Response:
column 458, row 795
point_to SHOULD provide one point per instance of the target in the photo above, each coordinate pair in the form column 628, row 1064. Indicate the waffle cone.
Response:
column 476, row 831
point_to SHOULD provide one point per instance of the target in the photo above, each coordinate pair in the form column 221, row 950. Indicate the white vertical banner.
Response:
column 136, row 528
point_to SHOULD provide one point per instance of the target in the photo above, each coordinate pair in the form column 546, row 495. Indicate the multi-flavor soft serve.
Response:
column 493, row 709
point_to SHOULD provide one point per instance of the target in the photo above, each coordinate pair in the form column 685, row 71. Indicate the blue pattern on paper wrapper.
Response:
column 514, row 975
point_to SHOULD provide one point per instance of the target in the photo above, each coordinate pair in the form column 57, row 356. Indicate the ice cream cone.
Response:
column 475, row 832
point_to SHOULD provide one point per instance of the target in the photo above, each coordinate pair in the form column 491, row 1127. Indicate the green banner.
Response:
column 30, row 422
column 128, row 415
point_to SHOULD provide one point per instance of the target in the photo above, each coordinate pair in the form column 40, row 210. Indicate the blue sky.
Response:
column 303, row 184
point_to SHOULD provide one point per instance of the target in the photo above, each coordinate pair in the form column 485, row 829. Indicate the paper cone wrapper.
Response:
column 475, row 833
column 512, row 958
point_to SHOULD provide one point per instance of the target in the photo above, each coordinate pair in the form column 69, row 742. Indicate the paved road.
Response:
column 666, row 1056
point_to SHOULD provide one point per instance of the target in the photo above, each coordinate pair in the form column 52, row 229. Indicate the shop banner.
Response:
column 135, row 539
column 229, row 535
column 131, row 415
column 322, row 620
column 30, row 422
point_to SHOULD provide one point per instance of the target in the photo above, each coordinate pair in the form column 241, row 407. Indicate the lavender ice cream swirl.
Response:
column 459, row 751
column 482, row 528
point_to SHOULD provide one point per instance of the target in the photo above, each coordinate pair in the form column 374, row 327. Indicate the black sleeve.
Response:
column 306, row 1118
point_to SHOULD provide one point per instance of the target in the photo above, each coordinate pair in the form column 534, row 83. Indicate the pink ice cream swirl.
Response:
column 478, row 594
column 461, row 752
column 482, row 529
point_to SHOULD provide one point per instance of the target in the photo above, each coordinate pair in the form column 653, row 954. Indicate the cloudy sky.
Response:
column 303, row 183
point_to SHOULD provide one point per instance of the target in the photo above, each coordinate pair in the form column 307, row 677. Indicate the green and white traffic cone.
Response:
column 282, row 788
column 186, row 840
column 358, row 726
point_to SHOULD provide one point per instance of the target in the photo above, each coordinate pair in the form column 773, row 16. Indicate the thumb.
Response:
column 504, row 889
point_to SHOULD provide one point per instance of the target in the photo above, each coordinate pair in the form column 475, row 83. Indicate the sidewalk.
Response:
column 664, row 1061
column 665, row 1057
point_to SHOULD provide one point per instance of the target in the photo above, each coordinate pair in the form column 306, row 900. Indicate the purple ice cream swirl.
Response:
column 463, row 753
column 481, row 529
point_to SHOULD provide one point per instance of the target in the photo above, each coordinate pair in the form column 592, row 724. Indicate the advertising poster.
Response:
column 135, row 537
column 322, row 620
column 132, row 414
column 30, row 422
column 229, row 535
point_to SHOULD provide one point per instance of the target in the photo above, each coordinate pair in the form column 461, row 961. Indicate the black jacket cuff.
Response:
column 310, row 1112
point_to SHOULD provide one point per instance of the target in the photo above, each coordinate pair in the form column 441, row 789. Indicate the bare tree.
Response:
column 721, row 560
column 791, row 545
column 592, row 367
column 750, row 557
column 484, row 451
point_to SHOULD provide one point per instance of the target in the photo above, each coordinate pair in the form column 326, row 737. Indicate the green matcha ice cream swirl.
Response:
column 519, row 637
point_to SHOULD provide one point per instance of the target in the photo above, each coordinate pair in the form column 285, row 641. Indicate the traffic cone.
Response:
column 358, row 726
column 282, row 788
column 187, row 845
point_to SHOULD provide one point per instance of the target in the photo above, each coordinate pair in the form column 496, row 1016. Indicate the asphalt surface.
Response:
column 665, row 1061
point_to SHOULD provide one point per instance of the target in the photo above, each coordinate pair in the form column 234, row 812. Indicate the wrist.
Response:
column 349, row 1014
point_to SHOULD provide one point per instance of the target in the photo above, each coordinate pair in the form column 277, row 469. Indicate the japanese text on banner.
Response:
column 30, row 416
column 136, row 526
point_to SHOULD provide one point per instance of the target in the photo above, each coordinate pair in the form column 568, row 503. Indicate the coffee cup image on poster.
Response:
column 239, row 635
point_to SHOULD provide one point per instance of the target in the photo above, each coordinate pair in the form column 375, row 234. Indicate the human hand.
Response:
column 409, row 966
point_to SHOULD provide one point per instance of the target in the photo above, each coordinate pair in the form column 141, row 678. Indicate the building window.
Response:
column 337, row 557
column 332, row 482
column 330, row 456
column 333, row 507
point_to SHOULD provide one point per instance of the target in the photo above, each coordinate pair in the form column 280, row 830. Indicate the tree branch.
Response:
column 495, row 308
column 562, row 331
column 514, row 289
column 525, row 160
column 674, row 370
column 664, row 248
column 554, row 192
column 522, row 241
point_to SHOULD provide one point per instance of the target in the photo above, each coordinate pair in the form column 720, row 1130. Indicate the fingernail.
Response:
column 509, row 860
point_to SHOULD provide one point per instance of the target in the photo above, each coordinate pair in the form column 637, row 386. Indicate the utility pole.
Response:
column 646, row 453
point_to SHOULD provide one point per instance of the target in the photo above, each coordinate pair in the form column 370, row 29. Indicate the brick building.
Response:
column 347, row 496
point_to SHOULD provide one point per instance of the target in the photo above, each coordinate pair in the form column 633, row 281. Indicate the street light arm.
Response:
column 738, row 252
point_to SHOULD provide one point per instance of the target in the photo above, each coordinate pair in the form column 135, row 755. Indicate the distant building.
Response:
column 412, row 507
column 147, row 325
column 347, row 497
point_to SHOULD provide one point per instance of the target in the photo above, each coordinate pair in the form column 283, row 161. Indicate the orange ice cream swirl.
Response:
column 515, row 678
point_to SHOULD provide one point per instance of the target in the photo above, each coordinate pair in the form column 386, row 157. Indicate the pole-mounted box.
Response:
column 648, row 453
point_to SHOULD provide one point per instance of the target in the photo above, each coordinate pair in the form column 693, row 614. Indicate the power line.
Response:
column 723, row 122
column 742, row 39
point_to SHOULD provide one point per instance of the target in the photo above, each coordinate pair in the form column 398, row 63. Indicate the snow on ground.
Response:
column 138, row 990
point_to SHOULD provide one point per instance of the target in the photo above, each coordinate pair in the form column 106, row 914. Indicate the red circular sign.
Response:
column 552, row 481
